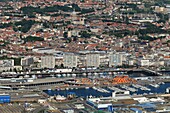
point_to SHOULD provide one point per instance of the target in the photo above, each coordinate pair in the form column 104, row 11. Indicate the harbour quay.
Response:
column 93, row 92
column 84, row 72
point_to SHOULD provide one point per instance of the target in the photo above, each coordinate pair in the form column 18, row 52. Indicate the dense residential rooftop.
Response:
column 87, row 45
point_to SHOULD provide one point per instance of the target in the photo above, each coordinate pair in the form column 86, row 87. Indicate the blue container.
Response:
column 110, row 109
column 5, row 98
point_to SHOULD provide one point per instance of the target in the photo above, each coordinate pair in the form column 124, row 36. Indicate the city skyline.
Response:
column 84, row 56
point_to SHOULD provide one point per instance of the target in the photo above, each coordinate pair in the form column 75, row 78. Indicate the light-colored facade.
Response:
column 115, row 59
column 70, row 60
column 82, row 60
column 47, row 62
column 92, row 60
column 104, row 59
column 168, row 9
column 143, row 62
column 130, row 62
column 27, row 61
column 44, row 50
column 7, row 63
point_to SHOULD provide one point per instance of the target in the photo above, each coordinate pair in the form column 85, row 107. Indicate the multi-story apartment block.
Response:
column 70, row 60
column 47, row 62
column 92, row 60
column 6, row 65
column 115, row 59
column 27, row 61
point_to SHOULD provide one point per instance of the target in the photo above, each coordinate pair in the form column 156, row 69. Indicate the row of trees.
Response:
column 23, row 26
column 119, row 33
column 142, row 33
column 150, row 28
column 56, row 8
column 5, row 25
column 33, row 39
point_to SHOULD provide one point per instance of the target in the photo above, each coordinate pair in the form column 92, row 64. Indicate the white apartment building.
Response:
column 70, row 60
column 115, row 59
column 143, row 62
column 27, row 61
column 92, row 60
column 6, row 64
column 47, row 62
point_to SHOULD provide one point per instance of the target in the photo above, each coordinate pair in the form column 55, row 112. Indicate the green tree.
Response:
column 150, row 28
column 23, row 26
column 85, row 34
column 65, row 34
column 33, row 39
column 17, row 61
